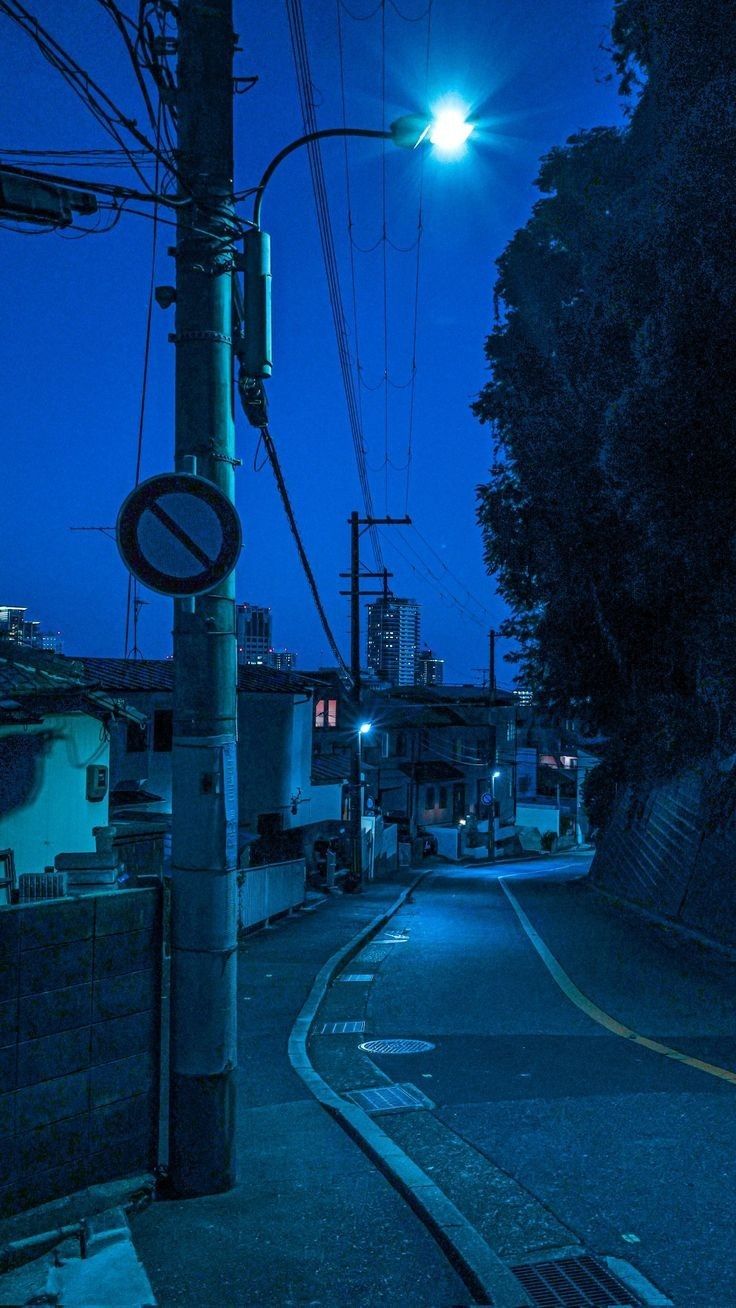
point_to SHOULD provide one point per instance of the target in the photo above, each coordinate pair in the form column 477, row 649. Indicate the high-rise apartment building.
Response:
column 284, row 659
column 393, row 639
column 429, row 671
column 19, row 630
column 253, row 628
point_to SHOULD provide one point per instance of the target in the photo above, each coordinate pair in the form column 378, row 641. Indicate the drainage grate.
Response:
column 582, row 1282
column 342, row 1028
column 371, row 955
column 396, row 1046
column 357, row 976
column 390, row 1098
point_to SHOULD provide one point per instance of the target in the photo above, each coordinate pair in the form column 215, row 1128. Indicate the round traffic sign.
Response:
column 178, row 534
column 486, row 797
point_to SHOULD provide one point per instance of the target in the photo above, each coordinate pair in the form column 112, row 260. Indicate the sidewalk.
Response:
column 311, row 1221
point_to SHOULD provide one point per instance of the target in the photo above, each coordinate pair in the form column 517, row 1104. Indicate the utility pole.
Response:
column 204, row 846
column 354, row 880
column 492, row 664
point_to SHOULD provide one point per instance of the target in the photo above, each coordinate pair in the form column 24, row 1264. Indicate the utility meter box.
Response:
column 97, row 782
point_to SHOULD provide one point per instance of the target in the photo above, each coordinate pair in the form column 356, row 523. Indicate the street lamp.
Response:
column 447, row 131
column 354, row 880
column 492, row 817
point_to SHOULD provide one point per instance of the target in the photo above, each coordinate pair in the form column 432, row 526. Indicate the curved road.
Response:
column 559, row 1129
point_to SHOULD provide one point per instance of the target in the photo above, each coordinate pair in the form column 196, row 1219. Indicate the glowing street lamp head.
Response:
column 496, row 775
column 364, row 728
column 449, row 130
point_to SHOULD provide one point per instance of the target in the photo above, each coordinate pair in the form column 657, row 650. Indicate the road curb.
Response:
column 487, row 1277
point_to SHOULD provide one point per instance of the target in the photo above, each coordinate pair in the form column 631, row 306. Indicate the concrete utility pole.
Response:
column 355, row 879
column 204, row 853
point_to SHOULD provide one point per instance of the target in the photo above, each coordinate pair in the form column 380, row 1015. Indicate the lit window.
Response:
column 332, row 712
column 319, row 713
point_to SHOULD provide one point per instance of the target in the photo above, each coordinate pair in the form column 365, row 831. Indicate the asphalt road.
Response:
column 622, row 1148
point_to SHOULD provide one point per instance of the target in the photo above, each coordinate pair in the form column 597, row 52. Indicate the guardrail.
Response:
column 268, row 891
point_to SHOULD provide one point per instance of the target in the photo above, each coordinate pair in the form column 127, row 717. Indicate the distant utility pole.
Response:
column 355, row 878
column 204, row 846
column 492, row 664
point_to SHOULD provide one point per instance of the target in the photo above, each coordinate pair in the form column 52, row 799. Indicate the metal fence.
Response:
column 268, row 891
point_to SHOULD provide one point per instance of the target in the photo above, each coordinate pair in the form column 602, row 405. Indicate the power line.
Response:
column 270, row 448
column 304, row 84
column 102, row 107
column 132, row 592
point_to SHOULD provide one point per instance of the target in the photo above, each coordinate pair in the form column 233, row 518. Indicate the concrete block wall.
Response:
column 659, row 853
column 80, row 1011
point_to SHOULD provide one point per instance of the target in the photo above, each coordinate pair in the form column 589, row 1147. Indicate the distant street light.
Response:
column 492, row 817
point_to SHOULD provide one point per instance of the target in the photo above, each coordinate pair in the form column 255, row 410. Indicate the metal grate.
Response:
column 357, row 976
column 396, row 1046
column 582, row 1282
column 342, row 1028
column 371, row 954
column 390, row 1098
column 33, row 886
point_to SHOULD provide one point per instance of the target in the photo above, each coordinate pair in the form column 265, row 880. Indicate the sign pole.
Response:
column 204, row 844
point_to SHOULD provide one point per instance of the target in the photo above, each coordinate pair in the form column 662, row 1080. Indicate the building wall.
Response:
column 44, row 809
column 151, row 766
column 80, row 1017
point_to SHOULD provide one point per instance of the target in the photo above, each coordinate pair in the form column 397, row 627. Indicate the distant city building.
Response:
column 19, row 630
column 523, row 696
column 283, row 659
column 429, row 671
column 253, row 627
column 393, row 639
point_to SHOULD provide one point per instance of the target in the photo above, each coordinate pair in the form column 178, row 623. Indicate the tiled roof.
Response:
column 36, row 682
column 158, row 674
column 330, row 767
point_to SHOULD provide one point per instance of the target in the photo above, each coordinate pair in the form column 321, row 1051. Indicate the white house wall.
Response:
column 44, row 808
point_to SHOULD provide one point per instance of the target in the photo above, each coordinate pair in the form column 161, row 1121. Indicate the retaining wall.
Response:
column 80, row 1012
column 659, row 853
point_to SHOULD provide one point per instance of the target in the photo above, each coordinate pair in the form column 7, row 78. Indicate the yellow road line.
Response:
column 597, row 1014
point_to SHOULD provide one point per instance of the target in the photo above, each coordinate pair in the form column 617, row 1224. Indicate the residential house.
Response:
column 55, row 731
column 281, row 809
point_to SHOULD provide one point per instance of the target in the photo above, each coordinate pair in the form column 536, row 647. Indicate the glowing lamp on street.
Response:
column 449, row 130
column 364, row 728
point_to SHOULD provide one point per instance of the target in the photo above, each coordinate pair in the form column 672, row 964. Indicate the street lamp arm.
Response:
column 305, row 140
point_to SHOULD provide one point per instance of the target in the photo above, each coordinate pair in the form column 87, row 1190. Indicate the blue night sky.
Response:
column 74, row 313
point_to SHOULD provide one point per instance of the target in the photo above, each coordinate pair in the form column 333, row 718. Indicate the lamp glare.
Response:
column 449, row 131
column 365, row 727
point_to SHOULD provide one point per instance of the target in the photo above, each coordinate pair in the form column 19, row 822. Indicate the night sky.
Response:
column 74, row 311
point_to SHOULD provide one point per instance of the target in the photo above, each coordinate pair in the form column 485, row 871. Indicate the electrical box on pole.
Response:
column 31, row 200
column 255, row 349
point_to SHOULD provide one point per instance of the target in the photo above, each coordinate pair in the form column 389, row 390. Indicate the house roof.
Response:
column 121, row 675
column 330, row 768
column 434, row 771
column 36, row 682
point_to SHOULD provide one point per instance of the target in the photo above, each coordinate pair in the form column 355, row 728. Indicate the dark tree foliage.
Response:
column 610, row 515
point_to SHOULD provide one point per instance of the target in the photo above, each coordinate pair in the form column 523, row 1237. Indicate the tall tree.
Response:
column 610, row 514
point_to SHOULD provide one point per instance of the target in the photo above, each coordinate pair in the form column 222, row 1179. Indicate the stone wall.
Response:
column 80, row 1005
column 660, row 853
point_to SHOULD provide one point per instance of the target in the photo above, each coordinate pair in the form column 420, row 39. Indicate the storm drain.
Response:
column 390, row 1098
column 396, row 1046
column 582, row 1282
column 342, row 1028
column 357, row 976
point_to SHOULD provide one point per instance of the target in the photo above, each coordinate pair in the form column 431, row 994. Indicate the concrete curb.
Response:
column 488, row 1278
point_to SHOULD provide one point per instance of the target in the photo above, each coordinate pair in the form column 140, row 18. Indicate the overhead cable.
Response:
column 304, row 84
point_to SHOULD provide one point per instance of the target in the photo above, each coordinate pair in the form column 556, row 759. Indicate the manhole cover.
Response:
column 583, row 1282
column 390, row 1098
column 396, row 1046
